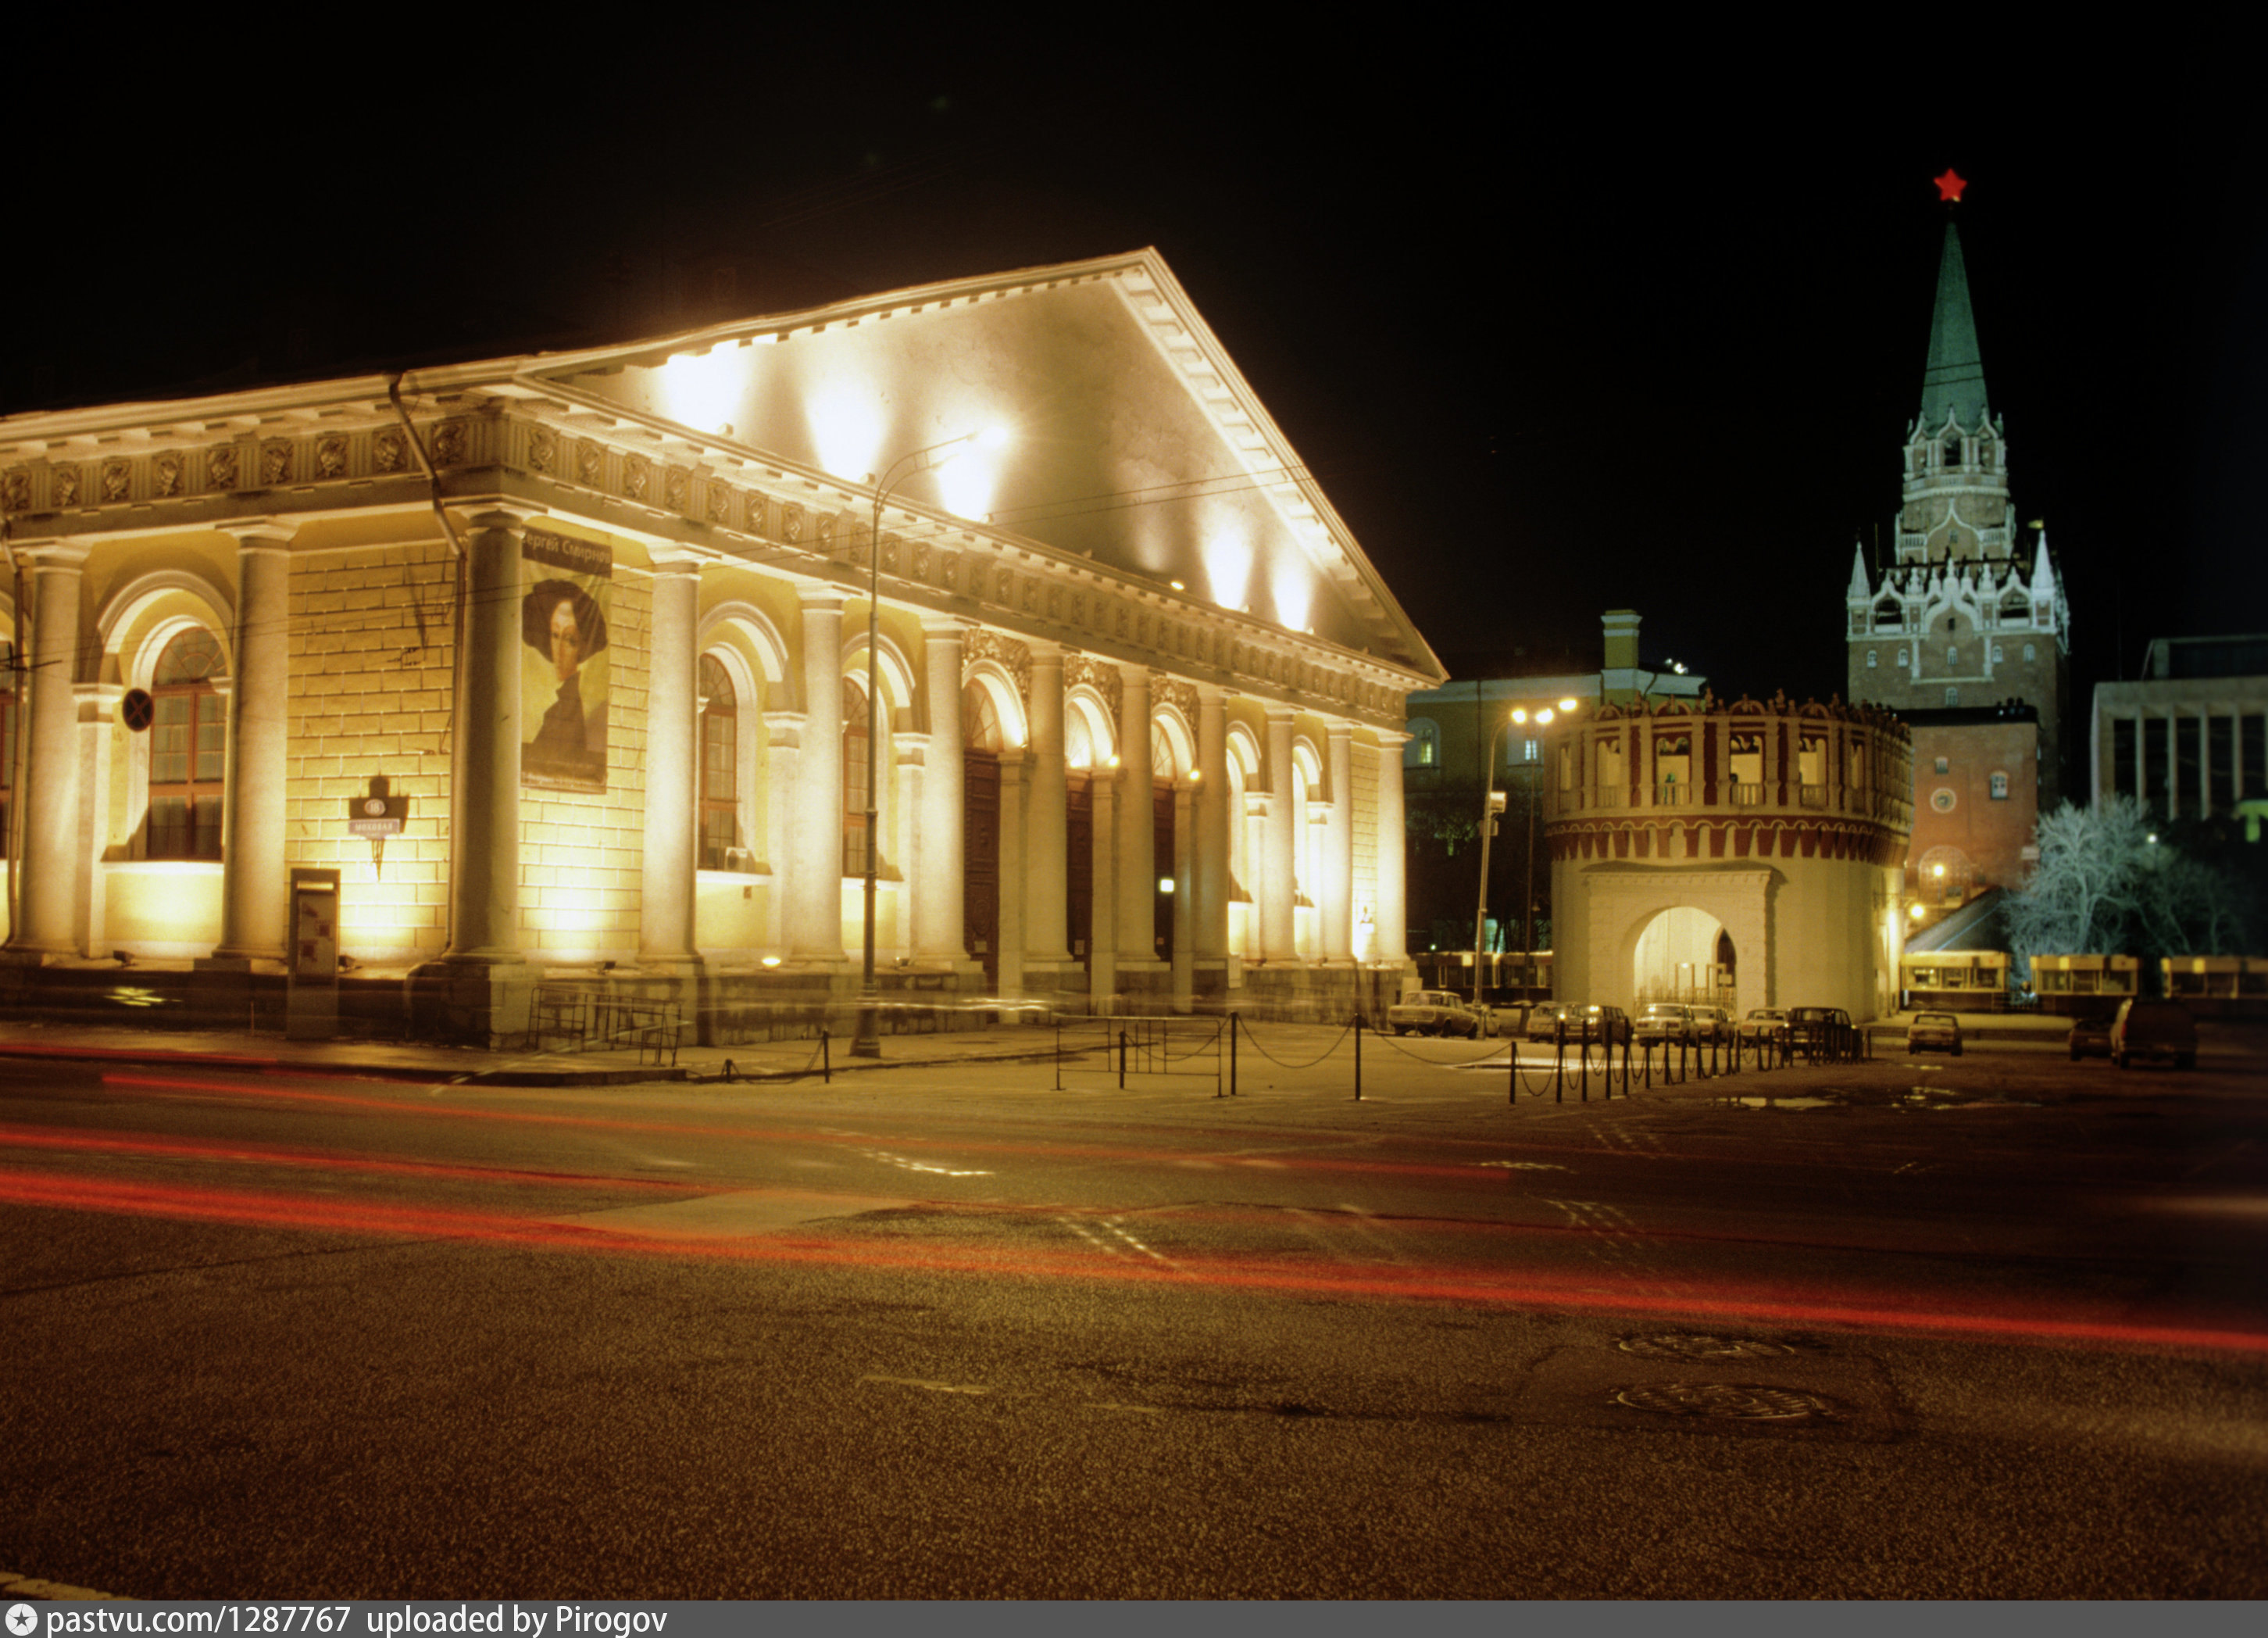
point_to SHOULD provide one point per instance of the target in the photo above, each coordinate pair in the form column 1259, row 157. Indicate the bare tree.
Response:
column 2105, row 885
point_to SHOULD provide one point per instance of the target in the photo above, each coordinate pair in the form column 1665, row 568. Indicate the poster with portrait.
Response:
column 564, row 617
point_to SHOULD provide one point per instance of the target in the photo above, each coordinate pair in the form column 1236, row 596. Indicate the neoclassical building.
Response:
column 597, row 624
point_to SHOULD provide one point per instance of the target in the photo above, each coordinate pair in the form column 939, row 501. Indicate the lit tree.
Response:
column 2106, row 885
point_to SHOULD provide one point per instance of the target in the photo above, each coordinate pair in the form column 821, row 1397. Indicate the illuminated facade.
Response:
column 602, row 618
column 1743, row 855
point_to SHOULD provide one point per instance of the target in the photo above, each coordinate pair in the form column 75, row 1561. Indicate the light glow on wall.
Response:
column 702, row 391
column 967, row 483
column 1228, row 566
column 846, row 427
column 1293, row 592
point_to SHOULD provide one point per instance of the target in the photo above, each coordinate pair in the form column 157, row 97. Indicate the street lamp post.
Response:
column 868, row 1041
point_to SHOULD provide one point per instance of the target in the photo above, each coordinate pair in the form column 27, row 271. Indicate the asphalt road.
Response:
column 1988, row 1327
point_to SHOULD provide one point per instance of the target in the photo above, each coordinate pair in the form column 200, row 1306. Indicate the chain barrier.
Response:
column 1278, row 1062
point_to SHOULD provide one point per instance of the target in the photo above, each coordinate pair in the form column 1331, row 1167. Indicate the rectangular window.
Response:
column 2156, row 747
column 2000, row 787
column 2189, row 793
column 2220, row 761
column 2122, row 756
column 1945, row 764
column 2252, row 739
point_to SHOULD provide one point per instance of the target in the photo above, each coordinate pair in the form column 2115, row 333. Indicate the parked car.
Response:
column 1545, row 1017
column 1712, row 1024
column 1816, row 1030
column 1669, row 1022
column 2154, row 1029
column 1765, row 1025
column 1438, row 1012
column 2089, row 1037
column 1611, row 1024
column 1933, row 1032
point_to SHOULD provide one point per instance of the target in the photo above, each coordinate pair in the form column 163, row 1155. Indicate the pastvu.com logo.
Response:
column 23, row 1621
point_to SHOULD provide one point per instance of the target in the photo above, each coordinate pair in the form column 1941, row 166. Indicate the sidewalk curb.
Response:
column 14, row 1586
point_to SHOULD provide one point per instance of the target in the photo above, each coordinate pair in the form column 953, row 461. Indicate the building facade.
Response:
column 1745, row 854
column 1966, row 631
column 2189, row 738
column 607, row 628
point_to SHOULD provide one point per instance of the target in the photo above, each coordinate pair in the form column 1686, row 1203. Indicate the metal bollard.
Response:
column 1232, row 1054
column 826, row 1064
column 1559, row 1061
column 1122, row 1060
column 1357, row 1057
column 1583, row 1069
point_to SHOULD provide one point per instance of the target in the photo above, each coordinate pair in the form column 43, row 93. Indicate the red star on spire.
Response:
column 1949, row 185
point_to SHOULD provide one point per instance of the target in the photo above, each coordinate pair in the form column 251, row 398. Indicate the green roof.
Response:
column 1953, row 383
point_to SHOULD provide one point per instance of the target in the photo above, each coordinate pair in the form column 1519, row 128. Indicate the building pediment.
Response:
column 1133, row 441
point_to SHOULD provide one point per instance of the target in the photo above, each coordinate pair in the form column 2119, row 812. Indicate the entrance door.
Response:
column 980, row 885
column 1161, row 828
column 1078, row 868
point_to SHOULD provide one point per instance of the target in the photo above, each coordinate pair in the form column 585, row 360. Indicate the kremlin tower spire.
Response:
column 1964, row 621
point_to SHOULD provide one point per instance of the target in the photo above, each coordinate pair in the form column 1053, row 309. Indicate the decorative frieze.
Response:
column 1006, row 652
column 62, row 486
column 221, row 467
column 117, row 481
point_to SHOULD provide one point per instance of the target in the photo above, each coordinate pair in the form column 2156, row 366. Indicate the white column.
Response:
column 1392, row 917
column 814, row 876
column 1335, row 903
column 783, row 763
column 1137, row 873
column 97, row 714
column 1045, row 837
column 484, row 816
column 909, row 753
column 45, row 880
column 673, row 768
column 255, row 891
column 2173, row 764
column 1185, row 958
column 1209, row 885
column 1278, row 889
column 938, row 907
column 2141, row 758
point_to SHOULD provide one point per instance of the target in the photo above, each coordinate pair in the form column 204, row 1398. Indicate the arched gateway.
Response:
column 1745, row 854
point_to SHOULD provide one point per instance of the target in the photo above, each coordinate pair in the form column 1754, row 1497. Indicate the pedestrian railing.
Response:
column 1106, row 1049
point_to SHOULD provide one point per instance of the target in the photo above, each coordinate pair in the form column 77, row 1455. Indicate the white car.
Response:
column 1438, row 1012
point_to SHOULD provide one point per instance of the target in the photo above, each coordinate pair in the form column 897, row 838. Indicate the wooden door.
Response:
column 980, row 882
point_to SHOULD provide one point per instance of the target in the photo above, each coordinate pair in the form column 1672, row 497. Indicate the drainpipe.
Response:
column 460, row 628
column 20, row 673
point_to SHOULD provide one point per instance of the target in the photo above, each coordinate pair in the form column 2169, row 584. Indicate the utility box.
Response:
column 312, row 1002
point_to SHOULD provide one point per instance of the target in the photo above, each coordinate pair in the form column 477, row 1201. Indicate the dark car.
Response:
column 2089, row 1037
column 1611, row 1024
column 2154, row 1029
column 1818, row 1031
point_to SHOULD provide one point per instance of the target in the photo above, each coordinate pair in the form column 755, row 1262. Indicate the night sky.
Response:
column 1558, row 330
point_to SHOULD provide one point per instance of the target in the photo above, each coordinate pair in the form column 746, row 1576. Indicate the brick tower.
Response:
column 1966, row 634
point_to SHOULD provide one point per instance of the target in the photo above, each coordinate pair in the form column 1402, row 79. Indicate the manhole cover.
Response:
column 1685, row 1345
column 1732, row 1401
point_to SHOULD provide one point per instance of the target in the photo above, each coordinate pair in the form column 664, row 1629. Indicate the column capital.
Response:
column 57, row 557
column 1282, row 713
column 513, row 518
column 821, row 596
column 666, row 560
column 947, row 626
column 259, row 534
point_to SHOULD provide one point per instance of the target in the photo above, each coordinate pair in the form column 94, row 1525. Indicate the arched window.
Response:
column 720, row 740
column 1888, row 615
column 188, row 747
column 1952, row 453
column 1423, row 748
column 854, row 780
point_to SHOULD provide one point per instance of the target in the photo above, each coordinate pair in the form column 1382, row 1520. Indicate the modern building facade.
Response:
column 2189, row 738
column 1965, row 633
column 597, row 625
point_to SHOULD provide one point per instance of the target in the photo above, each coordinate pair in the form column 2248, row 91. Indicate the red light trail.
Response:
column 1581, row 1292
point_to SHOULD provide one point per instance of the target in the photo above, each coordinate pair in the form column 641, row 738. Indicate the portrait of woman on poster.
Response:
column 566, row 626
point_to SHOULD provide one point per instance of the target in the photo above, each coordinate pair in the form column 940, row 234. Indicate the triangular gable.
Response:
column 1134, row 440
